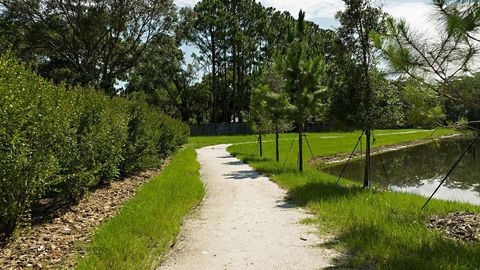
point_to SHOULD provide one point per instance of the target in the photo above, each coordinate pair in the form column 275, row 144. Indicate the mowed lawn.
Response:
column 372, row 227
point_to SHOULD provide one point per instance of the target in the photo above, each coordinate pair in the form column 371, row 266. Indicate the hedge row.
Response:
column 61, row 142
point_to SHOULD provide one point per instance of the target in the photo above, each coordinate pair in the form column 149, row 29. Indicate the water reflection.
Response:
column 420, row 169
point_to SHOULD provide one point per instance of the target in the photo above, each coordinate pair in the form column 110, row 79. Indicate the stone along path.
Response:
column 244, row 223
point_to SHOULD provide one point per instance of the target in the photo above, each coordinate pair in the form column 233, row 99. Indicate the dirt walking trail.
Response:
column 244, row 223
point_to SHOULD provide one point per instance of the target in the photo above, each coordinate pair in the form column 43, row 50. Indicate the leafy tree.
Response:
column 277, row 107
column 388, row 103
column 88, row 42
column 467, row 87
column 190, row 100
column 257, row 118
column 358, row 20
column 303, row 77
column 423, row 108
column 158, row 70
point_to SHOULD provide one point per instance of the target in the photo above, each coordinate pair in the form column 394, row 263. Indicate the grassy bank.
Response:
column 384, row 229
column 148, row 224
column 338, row 138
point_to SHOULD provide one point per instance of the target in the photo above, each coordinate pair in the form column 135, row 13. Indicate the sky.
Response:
column 417, row 13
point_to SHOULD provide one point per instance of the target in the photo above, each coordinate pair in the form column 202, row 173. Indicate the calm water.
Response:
column 420, row 169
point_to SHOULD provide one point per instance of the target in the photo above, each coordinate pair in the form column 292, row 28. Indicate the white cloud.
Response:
column 313, row 8
column 419, row 16
column 186, row 3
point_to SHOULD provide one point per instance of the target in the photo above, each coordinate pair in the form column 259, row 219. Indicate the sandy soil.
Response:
column 244, row 222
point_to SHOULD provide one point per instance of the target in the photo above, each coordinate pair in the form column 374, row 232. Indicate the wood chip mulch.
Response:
column 459, row 225
column 57, row 241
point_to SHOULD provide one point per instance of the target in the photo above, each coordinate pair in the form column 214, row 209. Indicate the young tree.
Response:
column 435, row 62
column 257, row 118
column 358, row 20
column 303, row 77
column 278, row 108
column 271, row 108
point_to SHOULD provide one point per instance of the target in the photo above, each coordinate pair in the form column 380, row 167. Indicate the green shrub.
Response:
column 173, row 134
column 143, row 132
column 27, row 160
column 61, row 142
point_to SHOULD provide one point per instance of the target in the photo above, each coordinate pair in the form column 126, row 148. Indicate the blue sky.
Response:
column 416, row 12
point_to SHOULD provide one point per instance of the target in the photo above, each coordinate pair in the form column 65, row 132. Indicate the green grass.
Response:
column 201, row 141
column 148, row 224
column 380, row 228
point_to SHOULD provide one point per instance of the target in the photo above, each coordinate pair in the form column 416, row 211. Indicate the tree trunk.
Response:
column 234, row 83
column 277, row 154
column 368, row 105
column 260, row 142
column 366, row 177
column 300, row 147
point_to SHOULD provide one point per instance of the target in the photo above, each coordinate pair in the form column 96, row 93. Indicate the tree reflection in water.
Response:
column 420, row 169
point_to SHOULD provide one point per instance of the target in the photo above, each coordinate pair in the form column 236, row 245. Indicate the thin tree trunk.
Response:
column 368, row 109
column 260, row 142
column 300, row 148
column 214, row 78
column 366, row 178
column 277, row 154
column 234, row 82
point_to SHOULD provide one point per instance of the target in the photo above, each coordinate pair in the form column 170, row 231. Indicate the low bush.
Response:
column 61, row 142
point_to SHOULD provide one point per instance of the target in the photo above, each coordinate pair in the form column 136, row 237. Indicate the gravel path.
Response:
column 244, row 223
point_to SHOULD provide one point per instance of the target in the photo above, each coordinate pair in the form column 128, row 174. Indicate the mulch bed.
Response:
column 56, row 238
column 459, row 225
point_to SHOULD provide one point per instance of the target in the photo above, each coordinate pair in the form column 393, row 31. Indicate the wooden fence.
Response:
column 217, row 129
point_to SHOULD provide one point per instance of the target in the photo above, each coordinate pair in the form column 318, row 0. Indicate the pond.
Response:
column 420, row 169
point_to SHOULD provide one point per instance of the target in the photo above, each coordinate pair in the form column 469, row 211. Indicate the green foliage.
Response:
column 424, row 109
column 387, row 103
column 436, row 62
column 90, row 138
column 86, row 42
column 303, row 75
column 467, row 87
column 238, row 37
column 149, row 223
column 269, row 105
column 358, row 20
column 60, row 142
column 258, row 119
